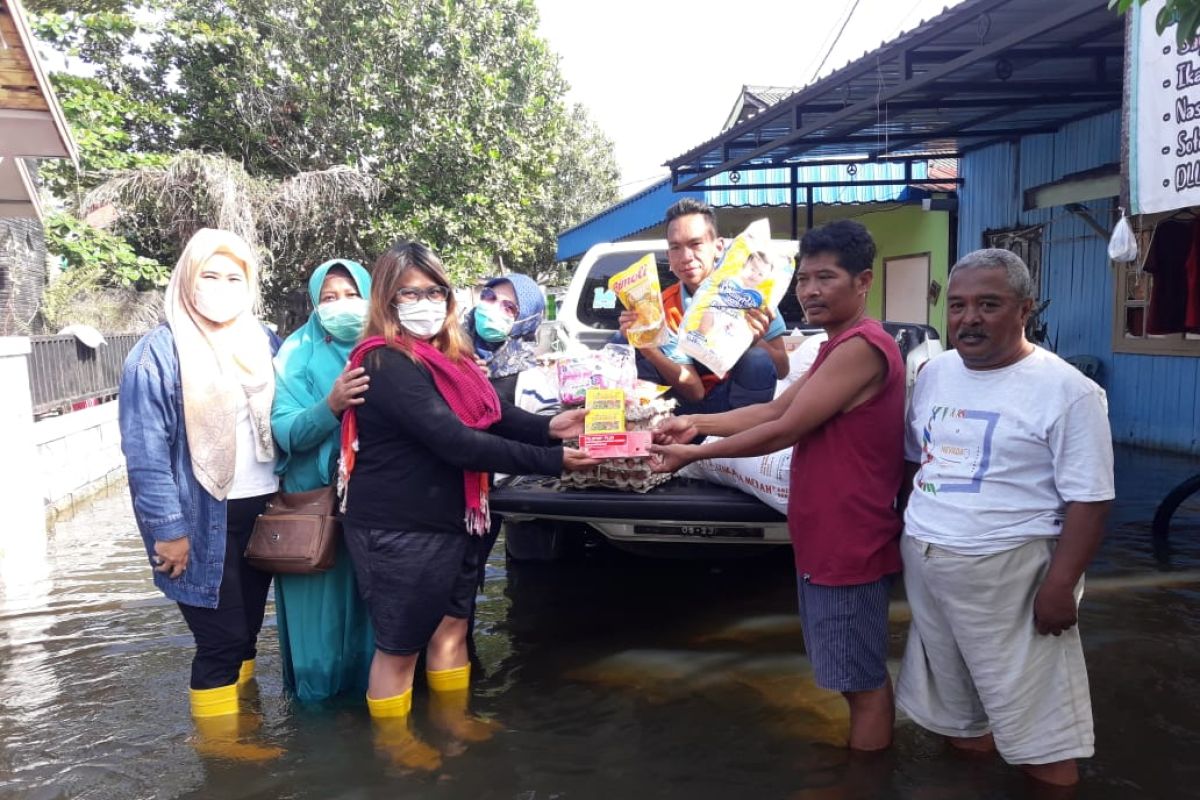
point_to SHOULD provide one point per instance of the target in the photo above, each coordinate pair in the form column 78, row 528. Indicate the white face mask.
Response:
column 221, row 301
column 423, row 319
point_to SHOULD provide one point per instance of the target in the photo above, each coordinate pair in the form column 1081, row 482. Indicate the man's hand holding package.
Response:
column 758, row 320
column 675, row 430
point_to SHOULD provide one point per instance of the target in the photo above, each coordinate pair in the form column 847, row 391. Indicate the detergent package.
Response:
column 638, row 289
column 753, row 273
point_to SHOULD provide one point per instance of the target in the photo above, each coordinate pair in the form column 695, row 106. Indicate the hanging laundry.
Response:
column 1171, row 250
column 1191, row 318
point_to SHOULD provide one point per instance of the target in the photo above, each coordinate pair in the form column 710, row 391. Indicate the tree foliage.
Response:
column 453, row 110
column 1184, row 14
column 103, row 256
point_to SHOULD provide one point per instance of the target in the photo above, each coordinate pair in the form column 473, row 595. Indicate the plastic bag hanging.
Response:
column 1122, row 245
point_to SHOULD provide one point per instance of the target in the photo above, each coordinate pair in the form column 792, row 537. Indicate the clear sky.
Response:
column 660, row 76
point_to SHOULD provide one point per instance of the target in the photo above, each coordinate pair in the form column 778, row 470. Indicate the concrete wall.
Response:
column 24, row 525
column 78, row 454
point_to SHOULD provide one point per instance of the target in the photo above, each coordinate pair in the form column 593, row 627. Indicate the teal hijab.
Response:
column 306, row 366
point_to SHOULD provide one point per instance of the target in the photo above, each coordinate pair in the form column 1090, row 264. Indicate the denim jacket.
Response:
column 168, row 501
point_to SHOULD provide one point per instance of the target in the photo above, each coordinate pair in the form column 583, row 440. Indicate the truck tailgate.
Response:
column 680, row 500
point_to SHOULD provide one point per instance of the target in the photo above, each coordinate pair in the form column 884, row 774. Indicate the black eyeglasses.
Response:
column 488, row 295
column 437, row 294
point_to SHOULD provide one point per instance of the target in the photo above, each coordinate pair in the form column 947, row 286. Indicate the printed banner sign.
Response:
column 1164, row 108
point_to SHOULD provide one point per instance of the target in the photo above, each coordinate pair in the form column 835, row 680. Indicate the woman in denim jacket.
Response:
column 195, row 418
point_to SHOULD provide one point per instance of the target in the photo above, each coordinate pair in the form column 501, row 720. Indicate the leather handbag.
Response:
column 296, row 534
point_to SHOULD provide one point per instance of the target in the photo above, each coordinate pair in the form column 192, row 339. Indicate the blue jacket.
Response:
column 168, row 501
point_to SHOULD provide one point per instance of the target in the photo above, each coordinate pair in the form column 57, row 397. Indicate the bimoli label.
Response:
column 631, row 444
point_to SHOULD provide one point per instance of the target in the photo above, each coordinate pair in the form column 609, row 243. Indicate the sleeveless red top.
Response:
column 845, row 476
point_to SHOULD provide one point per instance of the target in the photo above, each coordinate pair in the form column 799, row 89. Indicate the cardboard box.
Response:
column 630, row 444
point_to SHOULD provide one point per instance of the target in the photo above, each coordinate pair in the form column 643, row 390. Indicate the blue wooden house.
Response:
column 1028, row 96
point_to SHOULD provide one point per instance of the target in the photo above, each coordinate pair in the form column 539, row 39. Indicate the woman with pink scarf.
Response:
column 414, row 472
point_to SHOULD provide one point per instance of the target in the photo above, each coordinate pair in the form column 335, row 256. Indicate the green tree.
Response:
column 1184, row 14
column 454, row 108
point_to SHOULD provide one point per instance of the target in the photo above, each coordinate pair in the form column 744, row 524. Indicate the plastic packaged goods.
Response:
column 753, row 273
column 1122, row 246
column 611, row 367
column 638, row 288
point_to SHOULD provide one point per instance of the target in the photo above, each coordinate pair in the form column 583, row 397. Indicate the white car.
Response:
column 543, row 521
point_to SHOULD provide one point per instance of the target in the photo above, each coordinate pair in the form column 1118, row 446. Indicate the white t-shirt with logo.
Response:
column 1001, row 452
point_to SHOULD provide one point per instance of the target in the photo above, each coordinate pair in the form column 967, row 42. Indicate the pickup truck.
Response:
column 682, row 517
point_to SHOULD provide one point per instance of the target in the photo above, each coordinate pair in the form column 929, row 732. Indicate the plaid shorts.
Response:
column 846, row 633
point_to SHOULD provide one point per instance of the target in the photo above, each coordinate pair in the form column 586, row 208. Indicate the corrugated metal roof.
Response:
column 984, row 71
column 645, row 209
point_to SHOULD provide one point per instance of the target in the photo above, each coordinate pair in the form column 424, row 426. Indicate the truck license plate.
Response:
column 699, row 531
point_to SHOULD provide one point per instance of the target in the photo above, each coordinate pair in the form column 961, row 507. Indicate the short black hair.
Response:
column 846, row 240
column 690, row 205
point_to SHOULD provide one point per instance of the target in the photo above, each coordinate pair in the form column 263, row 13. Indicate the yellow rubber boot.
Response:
column 218, row 702
column 449, row 691
column 246, row 672
column 219, row 726
column 395, row 738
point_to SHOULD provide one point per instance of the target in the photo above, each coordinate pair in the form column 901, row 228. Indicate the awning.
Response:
column 32, row 124
column 983, row 72
column 873, row 184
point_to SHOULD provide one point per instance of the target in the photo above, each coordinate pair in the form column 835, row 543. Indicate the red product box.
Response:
column 617, row 445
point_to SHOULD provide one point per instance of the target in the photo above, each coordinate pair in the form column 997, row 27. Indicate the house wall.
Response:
column 905, row 231
column 24, row 521
column 22, row 274
column 1152, row 399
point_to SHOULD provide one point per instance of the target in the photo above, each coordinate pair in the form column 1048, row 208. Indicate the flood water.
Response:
column 609, row 676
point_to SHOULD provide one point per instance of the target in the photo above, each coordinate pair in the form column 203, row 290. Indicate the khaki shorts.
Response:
column 974, row 662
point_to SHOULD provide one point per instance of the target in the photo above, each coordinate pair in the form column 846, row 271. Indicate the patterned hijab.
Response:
column 220, row 365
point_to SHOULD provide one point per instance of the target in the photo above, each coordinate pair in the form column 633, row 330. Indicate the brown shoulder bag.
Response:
column 296, row 534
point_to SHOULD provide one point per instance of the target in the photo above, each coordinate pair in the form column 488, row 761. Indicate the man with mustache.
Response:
column 845, row 418
column 693, row 249
column 1011, row 452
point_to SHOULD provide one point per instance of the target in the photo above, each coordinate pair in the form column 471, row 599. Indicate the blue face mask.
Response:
column 491, row 323
column 343, row 319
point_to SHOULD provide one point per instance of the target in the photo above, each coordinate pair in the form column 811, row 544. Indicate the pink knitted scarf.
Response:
column 470, row 396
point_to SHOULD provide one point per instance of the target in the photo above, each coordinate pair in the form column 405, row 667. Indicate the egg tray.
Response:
column 625, row 474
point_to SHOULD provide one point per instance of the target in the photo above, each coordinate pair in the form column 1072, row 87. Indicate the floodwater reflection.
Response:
column 606, row 676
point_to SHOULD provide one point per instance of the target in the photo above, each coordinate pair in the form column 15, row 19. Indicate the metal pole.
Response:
column 808, row 201
column 795, row 203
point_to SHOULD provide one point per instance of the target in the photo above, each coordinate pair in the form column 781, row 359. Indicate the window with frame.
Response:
column 1026, row 243
column 1157, row 296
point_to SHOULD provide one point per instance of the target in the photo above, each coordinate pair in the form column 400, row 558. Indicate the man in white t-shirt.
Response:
column 1011, row 454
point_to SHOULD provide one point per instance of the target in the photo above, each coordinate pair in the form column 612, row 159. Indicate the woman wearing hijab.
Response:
column 503, row 329
column 325, row 639
column 195, row 422
column 414, row 466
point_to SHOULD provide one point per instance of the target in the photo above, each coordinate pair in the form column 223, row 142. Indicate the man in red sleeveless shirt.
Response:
column 845, row 418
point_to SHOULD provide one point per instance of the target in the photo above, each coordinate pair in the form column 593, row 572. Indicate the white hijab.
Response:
column 219, row 362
